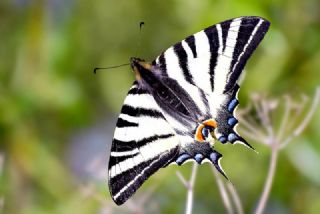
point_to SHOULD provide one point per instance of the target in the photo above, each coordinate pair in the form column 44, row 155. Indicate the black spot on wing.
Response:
column 183, row 61
column 213, row 39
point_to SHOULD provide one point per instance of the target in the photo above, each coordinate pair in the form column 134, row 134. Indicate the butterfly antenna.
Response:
column 111, row 67
column 140, row 37
column 138, row 49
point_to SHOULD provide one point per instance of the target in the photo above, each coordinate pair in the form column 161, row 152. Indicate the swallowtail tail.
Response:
column 181, row 103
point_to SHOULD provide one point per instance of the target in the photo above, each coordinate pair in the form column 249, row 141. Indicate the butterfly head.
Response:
column 138, row 65
column 205, row 131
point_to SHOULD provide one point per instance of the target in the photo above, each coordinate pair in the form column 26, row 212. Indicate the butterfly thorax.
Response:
column 166, row 91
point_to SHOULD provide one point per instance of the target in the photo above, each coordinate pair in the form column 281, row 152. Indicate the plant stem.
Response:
column 189, row 203
column 223, row 192
column 268, row 184
column 235, row 197
column 307, row 118
column 190, row 189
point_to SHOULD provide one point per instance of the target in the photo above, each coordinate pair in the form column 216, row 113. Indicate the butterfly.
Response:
column 181, row 104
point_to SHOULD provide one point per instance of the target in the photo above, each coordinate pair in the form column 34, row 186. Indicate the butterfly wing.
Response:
column 199, row 79
column 212, row 61
column 143, row 142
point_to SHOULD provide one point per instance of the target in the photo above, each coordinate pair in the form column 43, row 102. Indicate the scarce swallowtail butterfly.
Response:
column 181, row 103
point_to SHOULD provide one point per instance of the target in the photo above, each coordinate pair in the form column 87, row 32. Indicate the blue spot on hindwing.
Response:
column 232, row 121
column 233, row 103
column 214, row 157
column 232, row 137
column 198, row 158
column 182, row 158
column 222, row 139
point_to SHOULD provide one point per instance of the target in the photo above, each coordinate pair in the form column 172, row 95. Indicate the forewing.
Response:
column 213, row 58
column 143, row 142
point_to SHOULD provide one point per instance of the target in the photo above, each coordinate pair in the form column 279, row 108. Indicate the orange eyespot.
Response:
column 211, row 123
column 198, row 136
column 204, row 129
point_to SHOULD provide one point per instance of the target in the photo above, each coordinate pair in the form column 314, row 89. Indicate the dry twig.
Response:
column 266, row 133
column 189, row 185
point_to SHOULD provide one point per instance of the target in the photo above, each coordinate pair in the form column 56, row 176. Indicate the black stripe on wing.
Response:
column 163, row 64
column 245, row 31
column 183, row 62
column 192, row 45
column 124, row 146
column 137, row 112
column 242, row 52
column 115, row 160
column 124, row 185
column 136, row 90
column 124, row 123
column 119, row 181
column 225, row 29
column 213, row 40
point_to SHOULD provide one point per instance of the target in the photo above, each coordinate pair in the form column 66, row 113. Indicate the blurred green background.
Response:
column 57, row 118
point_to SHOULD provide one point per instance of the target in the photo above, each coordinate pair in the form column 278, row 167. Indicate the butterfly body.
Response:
column 181, row 103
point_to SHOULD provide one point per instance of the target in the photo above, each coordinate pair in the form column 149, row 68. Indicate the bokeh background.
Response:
column 57, row 118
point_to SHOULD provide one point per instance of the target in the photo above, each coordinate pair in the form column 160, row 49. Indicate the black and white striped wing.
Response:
column 201, row 72
column 143, row 142
column 212, row 60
